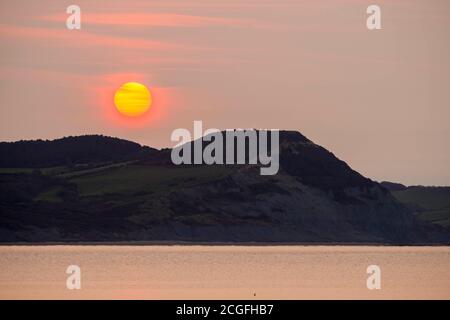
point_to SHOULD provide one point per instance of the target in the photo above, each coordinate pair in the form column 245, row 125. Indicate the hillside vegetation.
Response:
column 106, row 189
column 431, row 204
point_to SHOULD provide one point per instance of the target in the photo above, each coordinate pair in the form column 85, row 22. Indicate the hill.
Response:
column 430, row 204
column 115, row 190
column 68, row 151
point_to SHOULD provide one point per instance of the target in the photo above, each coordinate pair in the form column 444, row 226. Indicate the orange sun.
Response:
column 133, row 99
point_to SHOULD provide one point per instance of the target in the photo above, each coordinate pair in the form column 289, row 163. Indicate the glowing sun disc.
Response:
column 132, row 99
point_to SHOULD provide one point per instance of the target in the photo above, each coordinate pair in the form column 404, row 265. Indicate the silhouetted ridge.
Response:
column 67, row 151
column 316, row 166
column 393, row 186
column 310, row 163
column 292, row 136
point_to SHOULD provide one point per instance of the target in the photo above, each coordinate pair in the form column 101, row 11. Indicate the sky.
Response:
column 379, row 100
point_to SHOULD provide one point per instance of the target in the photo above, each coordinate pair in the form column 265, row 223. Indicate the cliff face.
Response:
column 245, row 206
column 314, row 198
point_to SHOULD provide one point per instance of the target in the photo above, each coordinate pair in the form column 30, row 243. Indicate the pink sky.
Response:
column 379, row 100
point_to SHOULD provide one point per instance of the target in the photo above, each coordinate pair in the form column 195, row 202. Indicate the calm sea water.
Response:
column 224, row 272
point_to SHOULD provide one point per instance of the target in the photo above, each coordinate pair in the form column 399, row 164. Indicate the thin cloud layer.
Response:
column 155, row 20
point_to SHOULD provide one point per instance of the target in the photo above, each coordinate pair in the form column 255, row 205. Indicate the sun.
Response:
column 133, row 99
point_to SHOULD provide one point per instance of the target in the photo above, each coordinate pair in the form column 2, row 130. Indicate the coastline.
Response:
column 197, row 243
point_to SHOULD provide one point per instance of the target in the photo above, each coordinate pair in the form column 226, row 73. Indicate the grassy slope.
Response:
column 431, row 203
column 114, row 195
column 135, row 179
column 139, row 181
column 124, row 178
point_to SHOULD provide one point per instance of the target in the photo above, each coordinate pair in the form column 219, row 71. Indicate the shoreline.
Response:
column 197, row 243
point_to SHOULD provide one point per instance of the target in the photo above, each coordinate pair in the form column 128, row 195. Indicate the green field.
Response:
column 48, row 171
column 432, row 204
column 128, row 183
column 133, row 179
column 127, row 179
column 50, row 195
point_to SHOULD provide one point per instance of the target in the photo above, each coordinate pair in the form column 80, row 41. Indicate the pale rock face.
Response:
column 283, row 208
